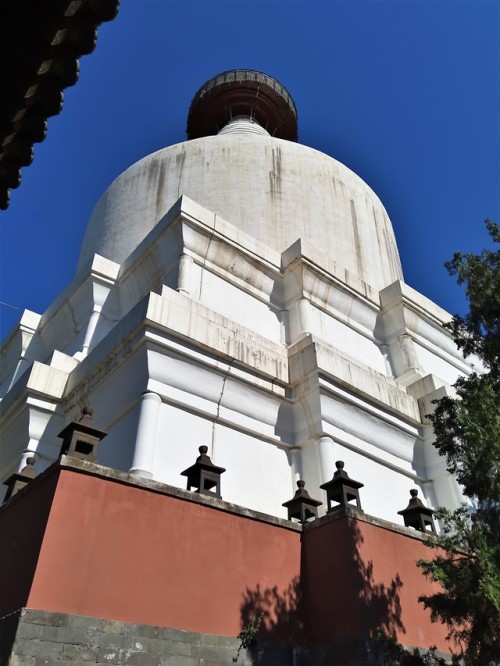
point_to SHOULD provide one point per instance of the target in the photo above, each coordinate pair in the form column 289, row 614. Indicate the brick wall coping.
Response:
column 84, row 467
column 356, row 514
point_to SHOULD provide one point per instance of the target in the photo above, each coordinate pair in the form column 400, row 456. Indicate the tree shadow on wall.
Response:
column 334, row 612
column 351, row 589
column 379, row 602
column 272, row 623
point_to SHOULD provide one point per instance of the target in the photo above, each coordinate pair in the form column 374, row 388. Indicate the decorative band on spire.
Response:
column 242, row 92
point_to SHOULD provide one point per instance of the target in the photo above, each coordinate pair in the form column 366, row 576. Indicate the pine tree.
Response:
column 467, row 432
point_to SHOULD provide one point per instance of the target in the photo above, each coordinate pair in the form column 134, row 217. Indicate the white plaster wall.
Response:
column 436, row 365
column 258, row 474
column 385, row 491
column 220, row 391
column 345, row 338
column 114, row 389
column 179, row 435
column 236, row 388
column 370, row 425
column 234, row 303
column 116, row 450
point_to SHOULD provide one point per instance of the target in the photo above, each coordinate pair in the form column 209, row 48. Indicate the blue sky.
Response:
column 405, row 93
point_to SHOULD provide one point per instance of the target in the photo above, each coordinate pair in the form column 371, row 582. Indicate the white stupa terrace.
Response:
column 244, row 292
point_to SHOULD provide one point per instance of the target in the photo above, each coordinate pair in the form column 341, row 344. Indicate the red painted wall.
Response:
column 89, row 545
column 117, row 551
column 357, row 577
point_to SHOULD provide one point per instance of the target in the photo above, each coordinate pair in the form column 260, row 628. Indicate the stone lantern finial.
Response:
column 19, row 480
column 81, row 438
column 204, row 475
column 417, row 515
column 341, row 489
column 302, row 506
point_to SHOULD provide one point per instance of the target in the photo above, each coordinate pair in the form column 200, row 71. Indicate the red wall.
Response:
column 112, row 550
column 357, row 577
column 121, row 552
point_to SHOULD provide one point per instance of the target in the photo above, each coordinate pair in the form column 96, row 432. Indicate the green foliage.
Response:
column 479, row 331
column 248, row 635
column 469, row 573
column 467, row 432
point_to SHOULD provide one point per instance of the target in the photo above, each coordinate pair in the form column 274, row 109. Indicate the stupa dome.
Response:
column 272, row 188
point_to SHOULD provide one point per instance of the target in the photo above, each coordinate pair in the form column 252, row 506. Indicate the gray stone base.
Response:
column 33, row 638
column 36, row 638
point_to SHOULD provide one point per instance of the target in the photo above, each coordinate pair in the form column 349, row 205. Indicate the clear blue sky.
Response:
column 405, row 93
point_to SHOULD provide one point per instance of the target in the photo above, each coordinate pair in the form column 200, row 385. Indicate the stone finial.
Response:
column 86, row 417
column 341, row 489
column 20, row 480
column 204, row 475
column 302, row 506
column 417, row 515
column 81, row 438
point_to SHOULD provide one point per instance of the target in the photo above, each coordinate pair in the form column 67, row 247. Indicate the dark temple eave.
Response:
column 40, row 44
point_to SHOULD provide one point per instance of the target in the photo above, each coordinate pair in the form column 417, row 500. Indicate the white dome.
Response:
column 275, row 190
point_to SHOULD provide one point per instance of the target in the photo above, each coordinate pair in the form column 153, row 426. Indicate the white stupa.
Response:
column 244, row 292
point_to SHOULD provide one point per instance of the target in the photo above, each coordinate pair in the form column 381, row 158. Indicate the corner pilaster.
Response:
column 143, row 463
